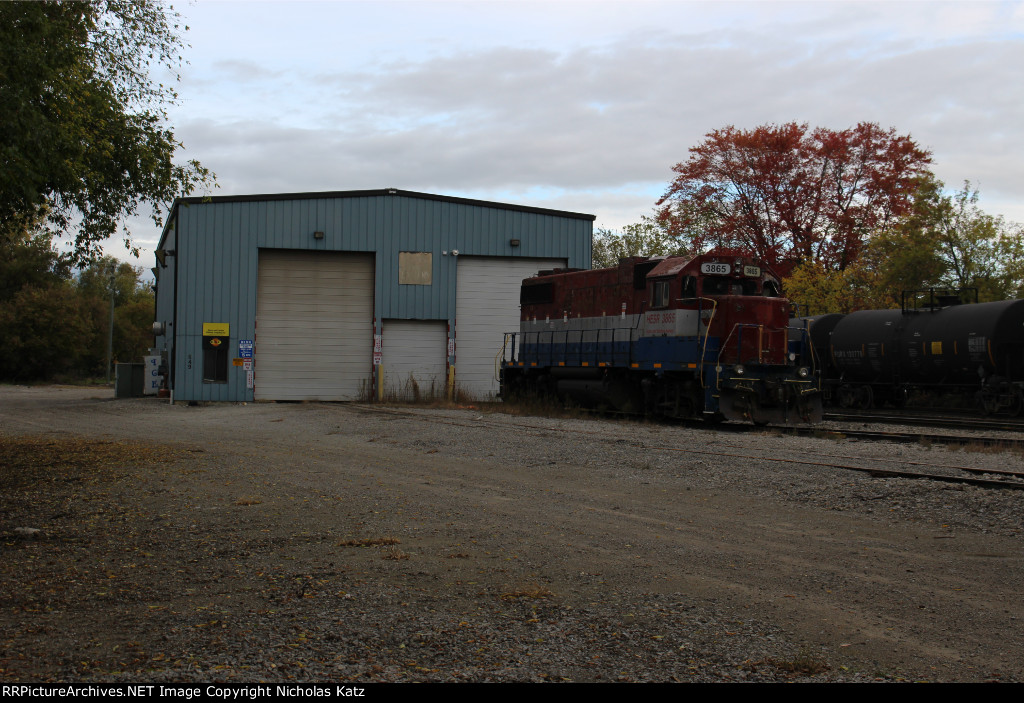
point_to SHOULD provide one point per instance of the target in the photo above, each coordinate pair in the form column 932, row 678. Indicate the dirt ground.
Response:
column 329, row 541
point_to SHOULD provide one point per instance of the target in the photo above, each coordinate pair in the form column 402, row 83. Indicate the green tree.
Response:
column 28, row 259
column 645, row 238
column 816, row 289
column 133, row 303
column 41, row 316
column 944, row 241
column 52, row 324
column 41, row 327
column 85, row 143
column 978, row 250
column 904, row 256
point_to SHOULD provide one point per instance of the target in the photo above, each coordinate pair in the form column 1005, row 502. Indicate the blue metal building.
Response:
column 348, row 295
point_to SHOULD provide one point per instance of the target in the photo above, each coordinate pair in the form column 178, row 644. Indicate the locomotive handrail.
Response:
column 805, row 337
column 501, row 354
column 707, row 330
column 739, row 346
column 816, row 367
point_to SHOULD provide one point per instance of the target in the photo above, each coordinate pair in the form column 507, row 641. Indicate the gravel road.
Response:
column 274, row 542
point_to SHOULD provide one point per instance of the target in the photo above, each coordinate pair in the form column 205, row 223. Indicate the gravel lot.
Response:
column 272, row 542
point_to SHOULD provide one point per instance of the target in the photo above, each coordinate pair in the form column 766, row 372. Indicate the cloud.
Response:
column 591, row 116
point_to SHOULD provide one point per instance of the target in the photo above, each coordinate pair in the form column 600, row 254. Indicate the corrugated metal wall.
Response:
column 218, row 243
column 165, row 293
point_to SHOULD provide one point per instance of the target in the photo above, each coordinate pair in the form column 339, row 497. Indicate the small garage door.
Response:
column 414, row 359
column 314, row 326
column 487, row 306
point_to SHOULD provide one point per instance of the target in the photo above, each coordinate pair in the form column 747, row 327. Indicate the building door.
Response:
column 487, row 306
column 314, row 325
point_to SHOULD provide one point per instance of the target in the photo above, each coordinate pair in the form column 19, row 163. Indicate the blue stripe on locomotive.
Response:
column 575, row 349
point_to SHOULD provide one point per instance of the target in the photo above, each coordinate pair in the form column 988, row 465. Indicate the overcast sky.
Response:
column 582, row 106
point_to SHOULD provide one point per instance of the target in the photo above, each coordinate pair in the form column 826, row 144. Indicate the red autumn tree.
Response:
column 789, row 194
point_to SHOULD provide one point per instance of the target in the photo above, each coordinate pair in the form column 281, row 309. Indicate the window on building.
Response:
column 415, row 268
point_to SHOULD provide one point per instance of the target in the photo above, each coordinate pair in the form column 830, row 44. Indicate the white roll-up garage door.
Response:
column 487, row 306
column 314, row 326
column 414, row 359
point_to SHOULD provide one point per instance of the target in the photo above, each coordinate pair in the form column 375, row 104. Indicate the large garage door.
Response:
column 487, row 306
column 414, row 360
column 314, row 326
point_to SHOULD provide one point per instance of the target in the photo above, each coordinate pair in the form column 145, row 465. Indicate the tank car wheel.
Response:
column 867, row 398
column 987, row 403
column 899, row 398
column 1017, row 403
column 847, row 396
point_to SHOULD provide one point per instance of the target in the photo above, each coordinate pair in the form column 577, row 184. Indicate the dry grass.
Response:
column 532, row 406
column 989, row 448
column 414, row 392
column 248, row 500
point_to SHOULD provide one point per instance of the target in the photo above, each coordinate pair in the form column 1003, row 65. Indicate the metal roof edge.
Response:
column 366, row 193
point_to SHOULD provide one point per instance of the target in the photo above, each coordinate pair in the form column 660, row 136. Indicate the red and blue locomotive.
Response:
column 679, row 337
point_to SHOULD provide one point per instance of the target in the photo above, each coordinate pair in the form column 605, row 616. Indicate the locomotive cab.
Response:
column 747, row 371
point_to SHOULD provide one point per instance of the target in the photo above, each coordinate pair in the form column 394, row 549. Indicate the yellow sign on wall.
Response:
column 215, row 329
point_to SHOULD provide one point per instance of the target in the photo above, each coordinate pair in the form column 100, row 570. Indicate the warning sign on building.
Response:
column 216, row 329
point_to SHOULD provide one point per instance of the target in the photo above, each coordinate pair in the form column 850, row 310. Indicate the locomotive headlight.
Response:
column 739, row 369
column 803, row 372
column 792, row 356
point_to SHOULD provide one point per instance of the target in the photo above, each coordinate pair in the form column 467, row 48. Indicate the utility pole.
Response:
column 110, row 337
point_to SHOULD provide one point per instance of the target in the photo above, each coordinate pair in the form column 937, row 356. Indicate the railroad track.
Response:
column 879, row 472
column 929, row 420
column 924, row 438
column 956, row 474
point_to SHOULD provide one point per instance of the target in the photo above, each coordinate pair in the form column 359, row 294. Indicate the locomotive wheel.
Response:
column 686, row 407
column 676, row 402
